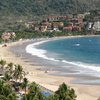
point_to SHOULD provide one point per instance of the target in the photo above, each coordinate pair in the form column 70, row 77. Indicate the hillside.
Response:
column 11, row 10
column 41, row 7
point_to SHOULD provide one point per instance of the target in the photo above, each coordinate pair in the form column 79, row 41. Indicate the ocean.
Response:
column 81, row 54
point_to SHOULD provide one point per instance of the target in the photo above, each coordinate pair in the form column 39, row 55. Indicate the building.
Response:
column 89, row 25
column 96, row 26
column 8, row 35
column 72, row 28
column 68, row 28
column 76, row 28
column 36, row 28
column 57, row 18
column 81, row 16
column 57, row 24
column 43, row 28
column 77, row 21
column 29, row 25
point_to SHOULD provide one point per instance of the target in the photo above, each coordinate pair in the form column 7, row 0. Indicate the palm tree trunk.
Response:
column 25, row 90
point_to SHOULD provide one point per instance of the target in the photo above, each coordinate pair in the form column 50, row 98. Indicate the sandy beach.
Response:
column 83, row 92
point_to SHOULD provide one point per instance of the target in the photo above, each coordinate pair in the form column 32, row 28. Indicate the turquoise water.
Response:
column 82, row 54
column 84, row 49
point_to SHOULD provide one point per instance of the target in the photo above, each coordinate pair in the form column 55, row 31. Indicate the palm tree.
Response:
column 11, row 96
column 10, row 68
column 6, row 77
column 1, row 85
column 33, row 88
column 34, row 93
column 24, row 84
column 65, row 93
column 6, row 92
column 2, row 97
column 53, row 97
column 38, row 96
column 18, row 73
column 2, row 64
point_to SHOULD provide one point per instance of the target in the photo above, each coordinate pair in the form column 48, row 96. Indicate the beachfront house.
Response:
column 6, row 36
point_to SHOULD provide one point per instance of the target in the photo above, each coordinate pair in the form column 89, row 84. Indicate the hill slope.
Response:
column 11, row 10
column 40, row 7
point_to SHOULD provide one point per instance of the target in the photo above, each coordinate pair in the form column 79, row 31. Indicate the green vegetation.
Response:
column 45, row 7
column 10, row 84
column 15, row 10
column 24, row 84
column 63, row 93
column 6, row 92
column 30, row 35
column 2, row 64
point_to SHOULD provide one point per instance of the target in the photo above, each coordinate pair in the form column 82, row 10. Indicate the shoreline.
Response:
column 41, row 54
column 49, row 81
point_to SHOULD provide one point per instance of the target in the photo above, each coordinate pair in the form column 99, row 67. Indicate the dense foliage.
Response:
column 63, row 93
column 6, row 92
column 11, row 84
column 41, row 7
column 31, row 35
column 15, row 10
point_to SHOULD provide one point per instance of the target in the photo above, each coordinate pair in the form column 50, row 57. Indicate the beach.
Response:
column 41, row 75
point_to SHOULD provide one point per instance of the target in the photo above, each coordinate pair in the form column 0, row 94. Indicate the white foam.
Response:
column 83, row 65
column 77, row 44
column 31, row 49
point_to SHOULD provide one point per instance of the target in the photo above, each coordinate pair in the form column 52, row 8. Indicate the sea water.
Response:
column 81, row 53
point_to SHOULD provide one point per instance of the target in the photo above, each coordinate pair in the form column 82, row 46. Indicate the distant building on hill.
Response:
column 77, row 21
column 57, row 18
column 56, row 26
column 72, row 28
column 67, row 28
column 6, row 36
column 43, row 28
column 76, row 28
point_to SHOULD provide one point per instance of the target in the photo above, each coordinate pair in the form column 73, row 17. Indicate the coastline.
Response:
column 45, row 79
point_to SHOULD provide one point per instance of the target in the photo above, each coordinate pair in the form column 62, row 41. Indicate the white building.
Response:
column 96, row 26
column 90, row 24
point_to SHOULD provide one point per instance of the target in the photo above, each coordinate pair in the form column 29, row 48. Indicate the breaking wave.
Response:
column 31, row 49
